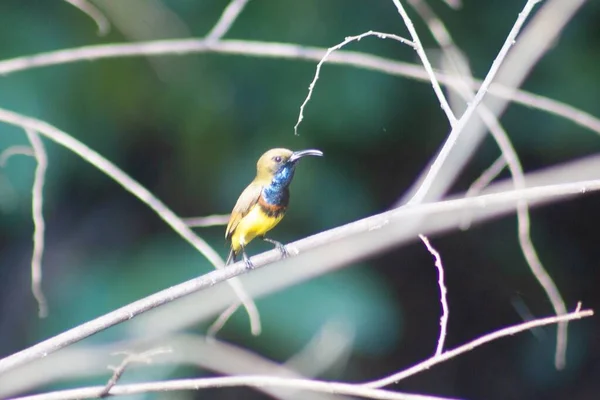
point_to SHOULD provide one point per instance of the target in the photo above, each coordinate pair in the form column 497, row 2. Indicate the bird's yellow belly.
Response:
column 255, row 223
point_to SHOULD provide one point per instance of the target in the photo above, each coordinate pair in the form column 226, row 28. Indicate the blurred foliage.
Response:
column 190, row 129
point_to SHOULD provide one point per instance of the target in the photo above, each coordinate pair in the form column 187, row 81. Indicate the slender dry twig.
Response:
column 436, row 167
column 486, row 178
column 335, row 247
column 220, row 322
column 145, row 357
column 256, row 381
column 187, row 350
column 329, row 51
column 229, row 359
column 483, row 181
column 14, row 151
column 37, row 202
column 443, row 295
column 211, row 220
column 538, row 36
column 190, row 311
column 368, row 389
column 293, row 52
column 443, row 37
column 137, row 190
column 88, row 8
column 449, row 354
column 426, row 64
column 523, row 222
column 230, row 14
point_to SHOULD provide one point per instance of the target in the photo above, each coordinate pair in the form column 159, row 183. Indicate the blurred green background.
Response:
column 190, row 128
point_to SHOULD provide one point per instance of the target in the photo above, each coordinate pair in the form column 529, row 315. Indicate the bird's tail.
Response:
column 230, row 257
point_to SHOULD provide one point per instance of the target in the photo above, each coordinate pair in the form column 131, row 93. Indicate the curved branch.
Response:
column 447, row 355
column 137, row 190
column 233, row 381
column 293, row 52
column 367, row 390
column 88, row 8
column 329, row 249
column 37, row 202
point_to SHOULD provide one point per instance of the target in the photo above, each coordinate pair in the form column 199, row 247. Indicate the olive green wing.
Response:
column 247, row 199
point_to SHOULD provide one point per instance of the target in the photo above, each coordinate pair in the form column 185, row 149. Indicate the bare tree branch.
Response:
column 187, row 350
column 424, row 187
column 443, row 292
column 137, row 190
column 338, row 46
column 145, row 357
column 536, row 39
column 14, row 151
column 230, row 14
column 203, row 306
column 449, row 354
column 37, row 202
column 367, row 390
column 233, row 381
column 335, row 247
column 220, row 322
column 459, row 64
column 483, row 181
column 426, row 64
column 88, row 8
column 294, row 52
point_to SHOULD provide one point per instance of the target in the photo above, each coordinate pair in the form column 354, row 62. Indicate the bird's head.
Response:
column 277, row 161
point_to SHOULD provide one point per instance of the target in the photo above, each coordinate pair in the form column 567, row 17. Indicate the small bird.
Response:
column 264, row 202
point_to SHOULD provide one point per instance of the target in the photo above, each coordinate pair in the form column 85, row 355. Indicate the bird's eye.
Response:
column 277, row 159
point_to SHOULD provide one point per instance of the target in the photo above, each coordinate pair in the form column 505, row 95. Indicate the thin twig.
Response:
column 220, row 322
column 203, row 222
column 187, row 350
column 523, row 222
column 443, row 295
column 537, row 38
column 256, row 381
column 145, row 357
column 449, row 354
column 137, row 190
column 88, row 8
column 439, row 162
column 509, row 154
column 367, row 390
column 338, row 46
column 426, row 64
column 293, row 52
column 14, row 151
column 190, row 311
column 37, row 202
column 230, row 14
column 335, row 247
column 483, row 181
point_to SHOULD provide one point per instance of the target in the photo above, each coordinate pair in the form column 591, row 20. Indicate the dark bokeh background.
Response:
column 190, row 129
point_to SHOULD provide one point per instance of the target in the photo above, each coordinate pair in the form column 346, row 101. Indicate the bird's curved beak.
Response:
column 299, row 154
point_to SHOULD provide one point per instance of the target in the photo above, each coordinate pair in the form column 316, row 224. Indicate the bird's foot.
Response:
column 282, row 250
column 247, row 261
column 279, row 246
